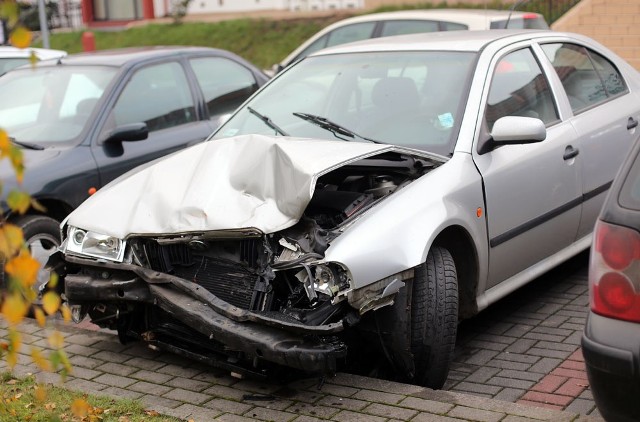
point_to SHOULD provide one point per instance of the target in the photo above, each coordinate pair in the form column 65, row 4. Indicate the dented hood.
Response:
column 249, row 181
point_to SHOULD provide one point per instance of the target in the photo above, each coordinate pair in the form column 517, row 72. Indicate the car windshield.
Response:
column 49, row 105
column 412, row 99
column 630, row 193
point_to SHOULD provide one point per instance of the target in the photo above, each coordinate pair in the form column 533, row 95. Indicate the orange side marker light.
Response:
column 479, row 212
column 92, row 190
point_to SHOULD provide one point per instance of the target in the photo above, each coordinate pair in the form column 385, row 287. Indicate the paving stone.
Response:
column 178, row 371
column 428, row 417
column 575, row 338
column 555, row 321
column 144, row 363
column 85, row 386
column 510, row 394
column 324, row 412
column 120, row 393
column 518, row 357
column 523, row 375
column 557, row 346
column 482, row 357
column 195, row 413
column 569, row 373
column 108, row 356
column 572, row 387
column 188, row 384
column 152, row 377
column 148, row 388
column 545, row 337
column 477, row 388
column 306, row 418
column 521, row 345
column 387, row 411
column 337, row 390
column 265, row 414
column 84, row 362
column 548, row 353
column 343, row 403
column 504, row 364
column 545, row 365
column 77, row 349
column 581, row 406
column 378, row 396
column 225, row 392
column 511, row 383
column 486, row 345
column 229, row 406
column 357, row 381
column 228, row 417
column 475, row 414
column 257, row 387
column 116, row 369
column 154, row 402
column 187, row 396
column 348, row 416
column 114, row 380
column 482, row 374
column 110, row 346
column 547, row 398
column 80, row 372
column 215, row 378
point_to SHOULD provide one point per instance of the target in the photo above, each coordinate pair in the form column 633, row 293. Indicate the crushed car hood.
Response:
column 249, row 181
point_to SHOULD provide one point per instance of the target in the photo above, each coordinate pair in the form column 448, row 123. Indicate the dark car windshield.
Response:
column 630, row 193
column 48, row 105
column 412, row 99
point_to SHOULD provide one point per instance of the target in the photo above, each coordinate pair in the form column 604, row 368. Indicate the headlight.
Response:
column 330, row 279
column 88, row 243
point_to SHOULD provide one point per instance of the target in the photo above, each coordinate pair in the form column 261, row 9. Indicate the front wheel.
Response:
column 42, row 236
column 434, row 317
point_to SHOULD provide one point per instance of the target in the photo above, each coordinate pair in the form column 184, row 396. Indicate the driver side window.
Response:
column 519, row 88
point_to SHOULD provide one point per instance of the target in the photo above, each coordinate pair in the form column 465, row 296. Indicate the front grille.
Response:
column 229, row 281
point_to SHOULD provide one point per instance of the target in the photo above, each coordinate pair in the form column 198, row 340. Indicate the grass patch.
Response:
column 25, row 400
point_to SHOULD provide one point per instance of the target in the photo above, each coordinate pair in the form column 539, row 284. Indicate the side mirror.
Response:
column 128, row 133
column 514, row 130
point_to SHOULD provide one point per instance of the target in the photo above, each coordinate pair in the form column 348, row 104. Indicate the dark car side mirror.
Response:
column 514, row 130
column 128, row 133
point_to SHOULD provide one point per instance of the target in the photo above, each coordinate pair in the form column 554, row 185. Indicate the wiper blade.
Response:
column 332, row 127
column 26, row 145
column 267, row 121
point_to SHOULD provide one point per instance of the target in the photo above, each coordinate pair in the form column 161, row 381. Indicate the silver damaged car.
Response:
column 357, row 207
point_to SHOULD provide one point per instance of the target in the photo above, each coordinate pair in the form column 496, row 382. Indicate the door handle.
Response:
column 570, row 152
column 631, row 123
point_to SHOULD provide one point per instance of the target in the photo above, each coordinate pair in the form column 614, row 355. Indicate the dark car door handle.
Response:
column 631, row 123
column 570, row 152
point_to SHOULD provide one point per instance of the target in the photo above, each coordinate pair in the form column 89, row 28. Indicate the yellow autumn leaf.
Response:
column 40, row 360
column 5, row 144
column 18, row 201
column 20, row 37
column 51, row 302
column 14, row 309
column 56, row 340
column 38, row 313
column 40, row 393
column 24, row 268
column 12, row 359
column 11, row 240
column 17, row 162
column 80, row 408
column 66, row 313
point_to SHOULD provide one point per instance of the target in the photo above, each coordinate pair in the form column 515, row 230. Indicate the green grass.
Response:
column 261, row 41
column 21, row 402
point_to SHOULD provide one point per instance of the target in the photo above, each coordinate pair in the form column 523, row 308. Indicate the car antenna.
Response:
column 511, row 9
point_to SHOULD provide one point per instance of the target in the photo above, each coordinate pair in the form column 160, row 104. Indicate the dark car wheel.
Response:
column 434, row 318
column 42, row 236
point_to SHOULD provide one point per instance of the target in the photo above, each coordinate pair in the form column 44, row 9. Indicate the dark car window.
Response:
column 158, row 95
column 519, row 88
column 407, row 27
column 225, row 84
column 630, row 193
column 587, row 77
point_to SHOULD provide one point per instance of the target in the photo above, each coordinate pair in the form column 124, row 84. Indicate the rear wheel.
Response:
column 434, row 317
column 42, row 236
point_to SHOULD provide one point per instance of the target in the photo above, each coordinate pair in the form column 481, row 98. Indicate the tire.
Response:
column 434, row 318
column 42, row 236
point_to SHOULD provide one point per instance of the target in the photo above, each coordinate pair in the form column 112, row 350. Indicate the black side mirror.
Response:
column 128, row 133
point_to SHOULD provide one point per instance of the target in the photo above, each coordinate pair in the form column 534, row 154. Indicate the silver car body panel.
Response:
column 247, row 182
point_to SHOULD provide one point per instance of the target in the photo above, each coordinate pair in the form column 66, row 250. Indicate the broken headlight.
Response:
column 96, row 245
column 329, row 279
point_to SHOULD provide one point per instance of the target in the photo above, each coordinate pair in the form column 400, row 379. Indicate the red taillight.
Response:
column 613, row 274
column 619, row 246
column 530, row 16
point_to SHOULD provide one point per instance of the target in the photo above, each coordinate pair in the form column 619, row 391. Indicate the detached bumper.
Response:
column 611, row 350
column 309, row 348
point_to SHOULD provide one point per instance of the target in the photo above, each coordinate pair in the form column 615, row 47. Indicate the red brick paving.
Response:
column 564, row 384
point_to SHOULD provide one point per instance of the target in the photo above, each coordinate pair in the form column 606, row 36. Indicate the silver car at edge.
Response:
column 365, row 200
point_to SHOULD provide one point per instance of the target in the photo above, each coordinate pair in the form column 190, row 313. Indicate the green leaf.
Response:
column 18, row 201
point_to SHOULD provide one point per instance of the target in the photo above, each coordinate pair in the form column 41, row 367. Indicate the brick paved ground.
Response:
column 526, row 348
column 523, row 350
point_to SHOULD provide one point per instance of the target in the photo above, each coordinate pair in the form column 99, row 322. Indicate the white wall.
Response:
column 212, row 6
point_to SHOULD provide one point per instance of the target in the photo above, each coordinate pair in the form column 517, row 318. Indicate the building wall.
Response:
column 222, row 6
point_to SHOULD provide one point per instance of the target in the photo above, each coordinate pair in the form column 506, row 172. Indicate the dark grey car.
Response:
column 76, row 116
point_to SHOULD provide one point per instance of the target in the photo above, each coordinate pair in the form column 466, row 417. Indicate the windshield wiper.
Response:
column 26, row 145
column 267, row 121
column 332, row 127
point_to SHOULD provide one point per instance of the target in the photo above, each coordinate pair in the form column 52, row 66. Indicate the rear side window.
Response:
column 587, row 77
column 225, row 84
column 351, row 33
column 390, row 28
column 451, row 26
column 630, row 192
column 519, row 88
column 528, row 21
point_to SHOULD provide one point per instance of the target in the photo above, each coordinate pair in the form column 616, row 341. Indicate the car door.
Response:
column 605, row 117
column 532, row 191
column 158, row 94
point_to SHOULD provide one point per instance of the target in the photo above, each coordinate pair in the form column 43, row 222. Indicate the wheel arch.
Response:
column 459, row 243
column 54, row 208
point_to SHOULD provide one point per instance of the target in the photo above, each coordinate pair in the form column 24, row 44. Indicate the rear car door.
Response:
column 158, row 94
column 605, row 117
column 532, row 191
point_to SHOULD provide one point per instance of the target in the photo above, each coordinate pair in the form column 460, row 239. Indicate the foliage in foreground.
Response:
column 25, row 400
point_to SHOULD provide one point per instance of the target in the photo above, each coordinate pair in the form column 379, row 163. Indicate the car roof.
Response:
column 9, row 52
column 129, row 56
column 476, row 18
column 472, row 41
